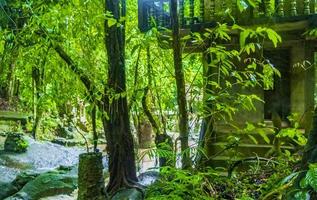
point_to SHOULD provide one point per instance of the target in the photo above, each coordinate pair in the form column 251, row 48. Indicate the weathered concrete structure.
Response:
column 294, row 91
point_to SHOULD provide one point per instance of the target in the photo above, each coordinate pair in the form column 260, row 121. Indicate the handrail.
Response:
column 192, row 12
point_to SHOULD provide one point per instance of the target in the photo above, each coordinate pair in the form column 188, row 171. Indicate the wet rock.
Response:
column 40, row 157
column 128, row 194
column 66, row 142
column 148, row 178
column 66, row 132
column 15, row 143
column 60, row 197
column 8, row 189
column 47, row 184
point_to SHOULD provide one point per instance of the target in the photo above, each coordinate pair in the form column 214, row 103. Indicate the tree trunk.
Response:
column 162, row 140
column 14, row 52
column 38, row 89
column 94, row 127
column 180, row 83
column 207, row 134
column 120, row 146
column 37, row 114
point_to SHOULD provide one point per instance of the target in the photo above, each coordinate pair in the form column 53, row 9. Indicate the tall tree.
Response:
column 180, row 83
column 118, row 133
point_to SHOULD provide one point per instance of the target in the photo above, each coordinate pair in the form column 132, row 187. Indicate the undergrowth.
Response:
column 256, row 180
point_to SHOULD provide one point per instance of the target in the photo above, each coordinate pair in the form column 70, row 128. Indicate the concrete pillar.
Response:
column 91, row 184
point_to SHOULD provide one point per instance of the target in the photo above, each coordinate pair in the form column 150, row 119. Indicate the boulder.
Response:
column 128, row 194
column 66, row 132
column 47, row 184
column 15, row 143
column 148, row 178
column 66, row 142
column 8, row 189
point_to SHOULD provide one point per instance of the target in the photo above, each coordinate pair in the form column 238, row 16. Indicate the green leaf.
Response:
column 111, row 22
column 302, row 195
column 253, row 139
column 265, row 137
column 311, row 177
column 273, row 36
column 243, row 36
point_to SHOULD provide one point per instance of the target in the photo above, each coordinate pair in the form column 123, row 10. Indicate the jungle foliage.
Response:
column 58, row 56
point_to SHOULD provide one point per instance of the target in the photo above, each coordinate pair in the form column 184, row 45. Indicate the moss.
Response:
column 90, row 177
column 18, row 183
column 15, row 143
column 47, row 184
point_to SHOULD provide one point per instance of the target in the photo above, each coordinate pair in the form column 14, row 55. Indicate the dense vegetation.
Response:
column 86, row 64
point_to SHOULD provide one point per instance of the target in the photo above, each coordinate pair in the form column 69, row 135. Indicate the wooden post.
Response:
column 90, row 177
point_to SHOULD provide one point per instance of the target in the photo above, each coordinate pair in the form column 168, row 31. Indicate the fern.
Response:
column 310, row 179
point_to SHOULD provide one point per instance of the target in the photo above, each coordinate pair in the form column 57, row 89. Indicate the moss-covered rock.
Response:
column 66, row 132
column 67, row 142
column 15, row 143
column 47, row 184
column 8, row 189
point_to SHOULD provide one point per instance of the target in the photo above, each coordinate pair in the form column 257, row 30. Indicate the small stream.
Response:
column 43, row 156
column 40, row 157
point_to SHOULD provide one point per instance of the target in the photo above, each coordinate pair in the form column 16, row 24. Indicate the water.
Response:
column 44, row 156
column 148, row 178
column 40, row 157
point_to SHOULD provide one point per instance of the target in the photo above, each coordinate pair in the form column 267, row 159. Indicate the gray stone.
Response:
column 66, row 132
column 66, row 142
column 147, row 178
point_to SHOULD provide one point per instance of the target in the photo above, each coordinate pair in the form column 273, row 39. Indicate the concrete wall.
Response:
column 302, row 87
column 302, row 82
